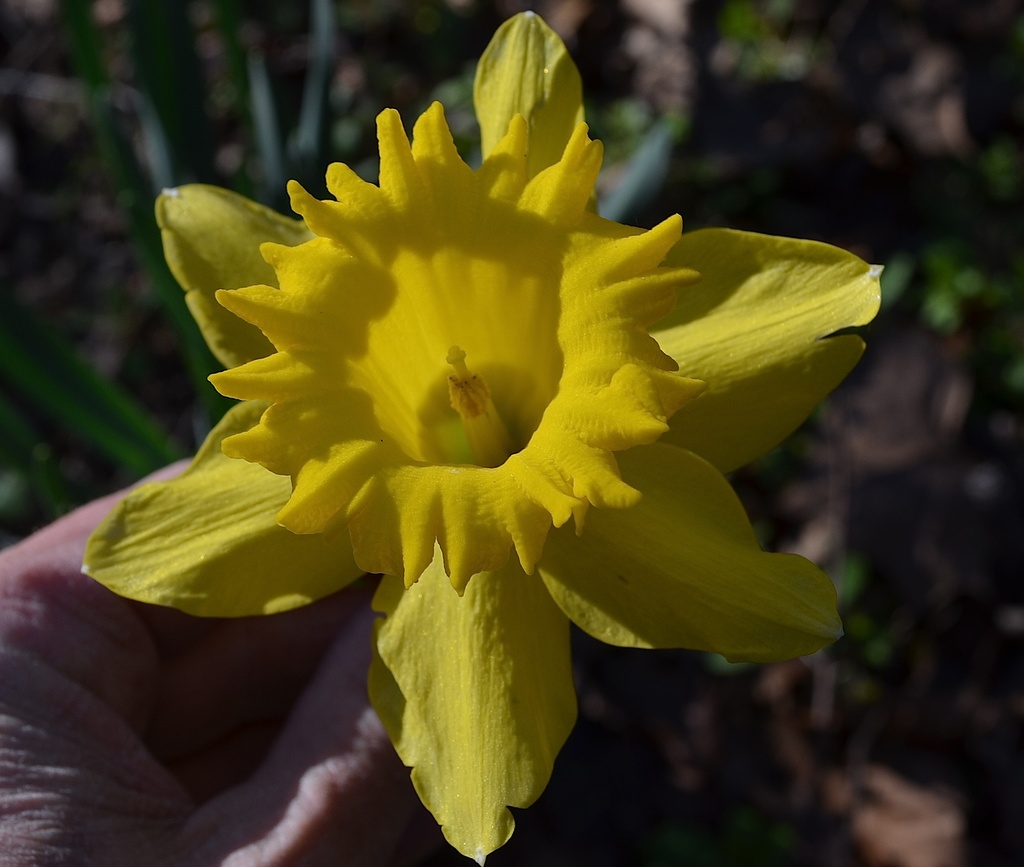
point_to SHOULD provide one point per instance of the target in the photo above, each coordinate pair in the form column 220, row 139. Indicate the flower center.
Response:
column 375, row 412
column 471, row 399
column 439, row 289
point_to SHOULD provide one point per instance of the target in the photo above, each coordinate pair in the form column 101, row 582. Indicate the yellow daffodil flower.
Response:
column 449, row 379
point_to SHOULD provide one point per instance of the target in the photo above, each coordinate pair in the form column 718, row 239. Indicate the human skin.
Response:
column 134, row 734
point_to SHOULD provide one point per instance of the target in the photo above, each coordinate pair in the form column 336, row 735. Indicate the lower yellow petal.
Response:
column 751, row 330
column 476, row 693
column 684, row 569
column 207, row 542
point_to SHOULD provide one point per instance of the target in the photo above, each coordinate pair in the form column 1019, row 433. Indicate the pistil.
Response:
column 470, row 397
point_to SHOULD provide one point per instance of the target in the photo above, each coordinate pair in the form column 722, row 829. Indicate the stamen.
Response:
column 470, row 397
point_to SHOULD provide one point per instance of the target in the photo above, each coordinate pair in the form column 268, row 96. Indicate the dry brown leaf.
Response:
column 901, row 823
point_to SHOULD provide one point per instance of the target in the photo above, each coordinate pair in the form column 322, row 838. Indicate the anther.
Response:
column 471, row 399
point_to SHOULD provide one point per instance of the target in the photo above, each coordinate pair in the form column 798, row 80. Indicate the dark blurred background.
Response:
column 894, row 129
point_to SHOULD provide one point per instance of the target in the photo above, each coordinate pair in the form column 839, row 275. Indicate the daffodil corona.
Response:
column 449, row 378
column 401, row 285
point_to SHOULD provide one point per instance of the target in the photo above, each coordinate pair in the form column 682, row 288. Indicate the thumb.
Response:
column 332, row 791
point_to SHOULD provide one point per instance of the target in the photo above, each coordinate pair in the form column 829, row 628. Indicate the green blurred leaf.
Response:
column 229, row 22
column 169, row 75
column 856, row 572
column 32, row 469
column 1002, row 168
column 896, row 277
column 17, row 437
column 310, row 142
column 15, row 496
column 740, row 20
column 745, row 838
column 34, row 360
column 135, row 195
column 644, row 175
column 85, row 43
column 267, row 129
column 718, row 664
column 158, row 147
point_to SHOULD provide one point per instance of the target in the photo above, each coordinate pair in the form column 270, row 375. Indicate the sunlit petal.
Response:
column 207, row 543
column 212, row 241
column 684, row 569
column 753, row 331
column 476, row 693
column 526, row 70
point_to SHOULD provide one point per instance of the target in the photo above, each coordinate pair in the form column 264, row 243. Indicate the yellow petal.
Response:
column 527, row 70
column 477, row 695
column 752, row 331
column 212, row 241
column 684, row 569
column 207, row 542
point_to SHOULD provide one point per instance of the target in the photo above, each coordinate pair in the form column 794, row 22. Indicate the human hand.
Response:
column 137, row 735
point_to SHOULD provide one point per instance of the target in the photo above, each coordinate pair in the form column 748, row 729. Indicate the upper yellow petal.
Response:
column 752, row 330
column 526, row 70
column 212, row 241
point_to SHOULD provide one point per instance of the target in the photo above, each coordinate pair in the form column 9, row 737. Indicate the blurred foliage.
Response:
column 966, row 280
column 745, row 838
column 35, row 362
column 762, row 41
column 868, row 621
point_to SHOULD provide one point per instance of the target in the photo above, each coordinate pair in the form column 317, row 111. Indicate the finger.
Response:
column 226, row 763
column 244, row 671
column 332, row 790
column 173, row 632
column 68, row 622
column 63, row 620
